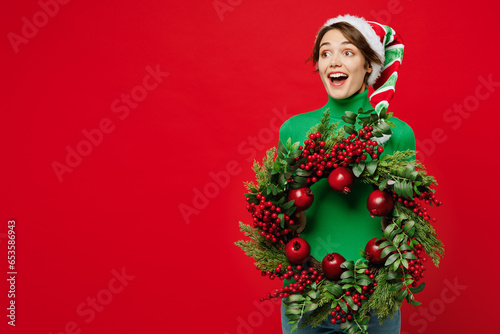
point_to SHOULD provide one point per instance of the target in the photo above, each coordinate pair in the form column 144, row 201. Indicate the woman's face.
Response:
column 341, row 66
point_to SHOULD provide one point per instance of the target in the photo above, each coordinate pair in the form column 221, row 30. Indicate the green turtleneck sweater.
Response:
column 337, row 222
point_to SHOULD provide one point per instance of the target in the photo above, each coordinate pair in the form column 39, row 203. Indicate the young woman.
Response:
column 349, row 53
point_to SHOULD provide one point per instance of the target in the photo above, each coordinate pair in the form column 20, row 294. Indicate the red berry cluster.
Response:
column 416, row 267
column 265, row 217
column 302, row 277
column 339, row 315
column 354, row 148
column 426, row 197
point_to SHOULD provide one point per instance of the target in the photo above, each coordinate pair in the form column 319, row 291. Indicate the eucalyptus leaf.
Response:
column 371, row 166
column 310, row 307
column 358, row 169
column 295, row 298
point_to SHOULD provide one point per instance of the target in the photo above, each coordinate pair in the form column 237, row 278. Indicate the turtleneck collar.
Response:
column 352, row 103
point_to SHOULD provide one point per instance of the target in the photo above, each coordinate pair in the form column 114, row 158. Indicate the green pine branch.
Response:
column 267, row 255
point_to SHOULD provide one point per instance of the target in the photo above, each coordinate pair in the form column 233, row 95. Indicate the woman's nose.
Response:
column 335, row 60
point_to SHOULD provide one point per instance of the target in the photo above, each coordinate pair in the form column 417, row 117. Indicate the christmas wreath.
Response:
column 389, row 269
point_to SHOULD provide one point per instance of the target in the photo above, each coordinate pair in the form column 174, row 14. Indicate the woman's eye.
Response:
column 348, row 53
column 325, row 54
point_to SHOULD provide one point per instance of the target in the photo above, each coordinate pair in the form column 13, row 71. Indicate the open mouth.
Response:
column 338, row 79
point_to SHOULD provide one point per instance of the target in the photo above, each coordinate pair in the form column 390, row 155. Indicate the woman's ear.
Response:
column 369, row 68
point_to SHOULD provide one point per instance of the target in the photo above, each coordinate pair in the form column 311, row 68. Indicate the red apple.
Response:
column 303, row 198
column 341, row 179
column 380, row 203
column 373, row 252
column 297, row 250
column 331, row 265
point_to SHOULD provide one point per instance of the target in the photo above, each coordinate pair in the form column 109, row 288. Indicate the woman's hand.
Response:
column 301, row 220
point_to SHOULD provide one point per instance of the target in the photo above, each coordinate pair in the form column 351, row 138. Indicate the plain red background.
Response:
column 228, row 71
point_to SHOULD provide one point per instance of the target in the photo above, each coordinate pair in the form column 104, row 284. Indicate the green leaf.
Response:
column 419, row 288
column 295, row 298
column 363, row 281
column 390, row 123
column 303, row 172
column 404, row 247
column 349, row 130
column 348, row 120
column 343, row 305
column 347, row 280
column 390, row 260
column 397, row 286
column 291, row 310
column 396, row 264
column 358, row 169
column 371, row 166
column 310, row 307
column 398, row 188
column 384, row 128
column 300, row 179
column 393, row 275
column 383, row 244
column 387, row 250
column 408, row 225
column 402, row 295
column 408, row 189
column 415, row 188
column 388, row 230
column 294, row 154
column 281, row 148
column 349, row 265
column 350, row 114
column 289, row 143
column 287, row 205
column 353, row 305
column 347, row 274
column 413, row 176
column 295, row 146
column 409, row 256
column 335, row 290
column 415, row 303
column 397, row 239
column 312, row 293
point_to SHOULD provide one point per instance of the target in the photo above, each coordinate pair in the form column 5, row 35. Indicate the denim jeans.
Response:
column 390, row 326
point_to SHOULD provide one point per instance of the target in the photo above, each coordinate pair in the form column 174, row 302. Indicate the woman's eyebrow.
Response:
column 328, row 43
